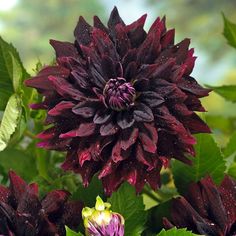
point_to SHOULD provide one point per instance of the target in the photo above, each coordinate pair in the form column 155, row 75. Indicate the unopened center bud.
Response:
column 119, row 94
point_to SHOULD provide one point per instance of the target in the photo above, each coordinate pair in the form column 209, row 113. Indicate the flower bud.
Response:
column 101, row 221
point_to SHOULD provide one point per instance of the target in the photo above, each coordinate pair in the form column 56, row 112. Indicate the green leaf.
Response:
column 16, row 74
column 208, row 161
column 70, row 232
column 10, row 120
column 229, row 31
column 18, row 161
column 232, row 170
column 88, row 195
column 176, row 232
column 131, row 207
column 226, row 91
column 221, row 123
column 231, row 146
column 12, row 72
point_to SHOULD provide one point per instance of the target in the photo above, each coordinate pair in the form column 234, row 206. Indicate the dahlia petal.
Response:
column 194, row 104
column 138, row 23
column 17, row 185
column 84, row 130
column 195, row 198
column 108, row 129
column 122, row 40
column 60, row 108
column 4, row 194
column 108, row 67
column 125, row 119
column 81, row 79
column 141, row 157
column 72, row 214
column 190, row 62
column 132, row 176
column 57, row 144
column 141, row 180
column 176, row 126
column 213, row 199
column 41, row 80
column 114, row 19
column 150, row 48
column 29, row 203
column 195, row 124
column 182, row 109
column 176, row 95
column 129, row 138
column 97, row 78
column 167, row 224
column 146, row 71
column 153, row 178
column 8, row 212
column 178, row 73
column 64, row 88
column 165, row 161
column 103, row 44
column 141, row 85
column 64, row 49
column 37, row 106
column 158, row 25
column 87, row 171
column 228, row 195
column 82, row 32
column 84, row 109
column 112, row 182
column 148, row 144
column 130, row 56
column 53, row 201
column 98, row 24
column 83, row 156
column 164, row 68
column 116, row 155
column 130, row 71
column 107, row 169
column 151, row 130
column 119, row 70
column 143, row 113
column 136, row 33
column 182, row 49
column 189, row 217
column 168, row 39
column 190, row 85
column 102, row 117
column 151, row 99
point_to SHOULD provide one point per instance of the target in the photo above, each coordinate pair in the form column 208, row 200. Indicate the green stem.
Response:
column 29, row 134
column 151, row 195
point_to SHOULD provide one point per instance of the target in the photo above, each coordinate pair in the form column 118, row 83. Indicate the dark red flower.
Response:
column 121, row 101
column 22, row 213
column 207, row 209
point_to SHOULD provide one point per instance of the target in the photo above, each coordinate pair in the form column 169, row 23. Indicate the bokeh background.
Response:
column 29, row 24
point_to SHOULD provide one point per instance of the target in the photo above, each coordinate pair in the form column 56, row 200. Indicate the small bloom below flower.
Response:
column 22, row 213
column 207, row 209
column 101, row 221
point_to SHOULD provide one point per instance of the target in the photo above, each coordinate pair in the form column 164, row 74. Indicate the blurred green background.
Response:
column 30, row 24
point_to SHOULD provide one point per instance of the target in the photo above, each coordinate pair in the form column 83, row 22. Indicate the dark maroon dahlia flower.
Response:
column 207, row 209
column 121, row 101
column 22, row 213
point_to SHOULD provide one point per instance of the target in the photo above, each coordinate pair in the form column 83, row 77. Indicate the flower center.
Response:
column 119, row 94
